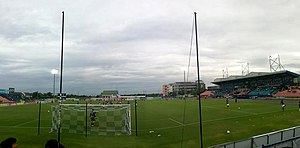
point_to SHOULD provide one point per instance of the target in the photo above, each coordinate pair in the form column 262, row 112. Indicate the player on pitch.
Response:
column 282, row 105
column 227, row 102
column 93, row 117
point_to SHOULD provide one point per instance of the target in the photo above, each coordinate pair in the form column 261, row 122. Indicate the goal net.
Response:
column 92, row 119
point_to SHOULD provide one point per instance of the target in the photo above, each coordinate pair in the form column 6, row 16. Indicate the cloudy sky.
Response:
column 135, row 46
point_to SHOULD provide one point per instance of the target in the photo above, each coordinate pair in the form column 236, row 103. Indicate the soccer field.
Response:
column 161, row 124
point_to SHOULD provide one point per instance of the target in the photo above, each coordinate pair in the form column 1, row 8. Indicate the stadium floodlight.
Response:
column 54, row 72
column 245, row 69
column 274, row 62
column 275, row 55
column 225, row 72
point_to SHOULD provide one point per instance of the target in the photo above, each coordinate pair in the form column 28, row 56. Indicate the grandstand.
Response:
column 291, row 92
column 4, row 100
column 207, row 94
column 259, row 84
column 10, row 95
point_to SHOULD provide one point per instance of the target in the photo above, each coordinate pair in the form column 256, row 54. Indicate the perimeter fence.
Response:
column 268, row 140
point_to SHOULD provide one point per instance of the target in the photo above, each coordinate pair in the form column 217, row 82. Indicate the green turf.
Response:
column 163, row 117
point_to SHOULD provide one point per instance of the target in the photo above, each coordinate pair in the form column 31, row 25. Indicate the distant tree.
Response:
column 154, row 95
column 48, row 95
column 27, row 99
column 35, row 95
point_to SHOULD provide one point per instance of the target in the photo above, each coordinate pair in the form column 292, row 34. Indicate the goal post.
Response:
column 92, row 119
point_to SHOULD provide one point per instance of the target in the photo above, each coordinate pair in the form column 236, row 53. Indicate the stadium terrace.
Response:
column 257, row 84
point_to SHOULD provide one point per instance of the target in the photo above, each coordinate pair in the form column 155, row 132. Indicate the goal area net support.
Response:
column 92, row 119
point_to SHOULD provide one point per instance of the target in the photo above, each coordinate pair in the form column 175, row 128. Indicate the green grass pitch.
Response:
column 161, row 124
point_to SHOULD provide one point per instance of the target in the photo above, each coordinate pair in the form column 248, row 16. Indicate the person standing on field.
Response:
column 282, row 105
column 227, row 102
column 93, row 117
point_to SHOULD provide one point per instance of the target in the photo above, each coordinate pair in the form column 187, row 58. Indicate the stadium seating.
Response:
column 208, row 93
column 4, row 100
column 291, row 92
column 221, row 93
column 266, row 91
column 244, row 92
column 262, row 92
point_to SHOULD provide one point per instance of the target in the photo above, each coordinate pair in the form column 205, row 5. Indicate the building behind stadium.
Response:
column 181, row 88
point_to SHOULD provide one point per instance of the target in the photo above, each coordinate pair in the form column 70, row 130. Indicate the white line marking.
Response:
column 219, row 119
column 176, row 121
column 21, row 127
column 232, row 110
column 25, row 123
column 207, row 121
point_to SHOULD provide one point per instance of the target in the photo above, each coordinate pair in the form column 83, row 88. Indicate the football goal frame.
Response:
column 112, row 119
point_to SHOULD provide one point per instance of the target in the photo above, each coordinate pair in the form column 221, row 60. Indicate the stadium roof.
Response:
column 252, row 75
column 109, row 93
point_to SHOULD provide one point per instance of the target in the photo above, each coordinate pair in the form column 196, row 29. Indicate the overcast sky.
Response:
column 135, row 46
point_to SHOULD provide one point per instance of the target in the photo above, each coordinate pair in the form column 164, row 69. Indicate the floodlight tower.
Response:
column 54, row 72
column 225, row 72
column 274, row 61
column 245, row 68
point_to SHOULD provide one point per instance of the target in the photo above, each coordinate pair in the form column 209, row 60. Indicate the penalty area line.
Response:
column 208, row 121
column 24, row 127
column 176, row 121
column 25, row 123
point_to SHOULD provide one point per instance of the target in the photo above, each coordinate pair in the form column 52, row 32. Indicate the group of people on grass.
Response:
column 12, row 143
column 283, row 105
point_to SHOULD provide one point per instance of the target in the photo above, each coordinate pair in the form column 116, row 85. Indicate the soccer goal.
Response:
column 92, row 119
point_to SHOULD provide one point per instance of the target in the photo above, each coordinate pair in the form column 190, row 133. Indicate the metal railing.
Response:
column 288, row 143
column 264, row 139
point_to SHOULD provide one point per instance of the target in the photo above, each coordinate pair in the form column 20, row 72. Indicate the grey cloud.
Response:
column 14, row 29
column 135, row 47
column 141, row 31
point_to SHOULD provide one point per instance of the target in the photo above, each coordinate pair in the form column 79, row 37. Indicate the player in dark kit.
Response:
column 227, row 102
column 93, row 117
column 282, row 105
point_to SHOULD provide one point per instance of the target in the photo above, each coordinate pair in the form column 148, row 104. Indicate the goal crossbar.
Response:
column 111, row 119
